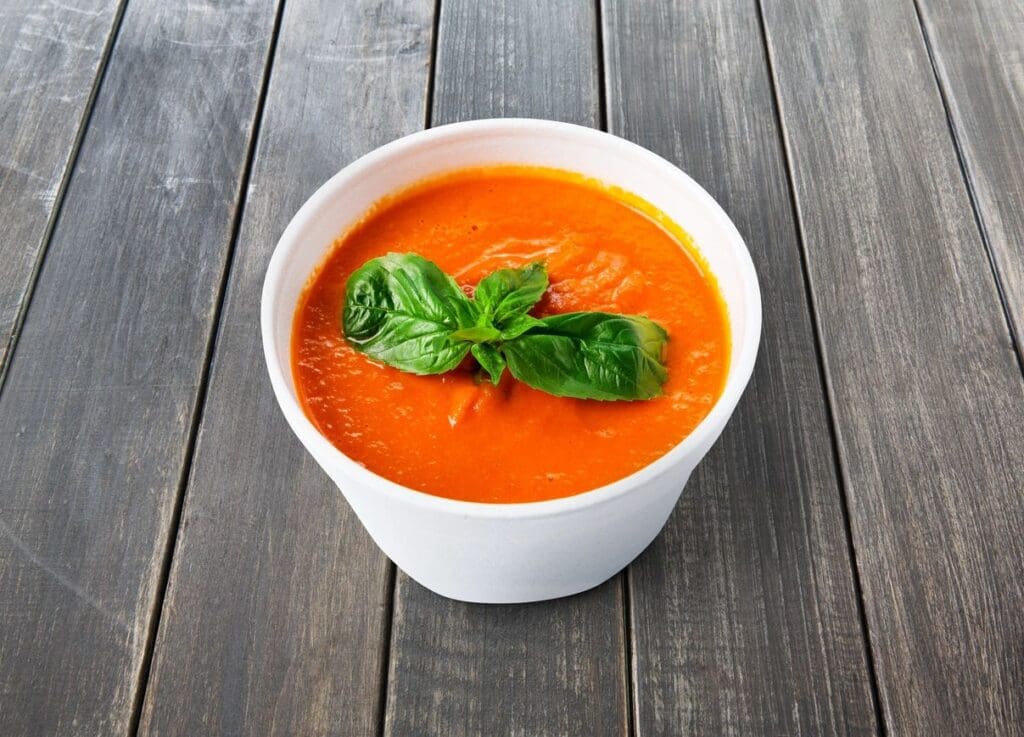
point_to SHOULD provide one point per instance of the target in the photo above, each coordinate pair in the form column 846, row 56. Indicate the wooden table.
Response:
column 848, row 560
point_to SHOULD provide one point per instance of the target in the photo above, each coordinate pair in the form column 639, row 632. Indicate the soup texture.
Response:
column 455, row 436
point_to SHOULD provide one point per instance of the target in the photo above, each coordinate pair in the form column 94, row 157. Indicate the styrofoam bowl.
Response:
column 510, row 552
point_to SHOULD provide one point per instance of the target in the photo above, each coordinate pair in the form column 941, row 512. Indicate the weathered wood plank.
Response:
column 96, row 410
column 50, row 58
column 552, row 668
column 744, row 611
column 555, row 668
column 926, row 390
column 505, row 58
column 276, row 610
column 978, row 50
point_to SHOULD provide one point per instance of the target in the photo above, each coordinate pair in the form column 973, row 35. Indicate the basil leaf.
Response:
column 476, row 334
column 508, row 293
column 401, row 309
column 591, row 355
column 518, row 325
column 490, row 359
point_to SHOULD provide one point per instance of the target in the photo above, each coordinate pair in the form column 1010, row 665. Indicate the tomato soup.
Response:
column 456, row 436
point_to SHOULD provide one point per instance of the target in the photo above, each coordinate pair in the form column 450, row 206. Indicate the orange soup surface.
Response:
column 455, row 436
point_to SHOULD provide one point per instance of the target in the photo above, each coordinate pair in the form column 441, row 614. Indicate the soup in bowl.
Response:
column 538, row 445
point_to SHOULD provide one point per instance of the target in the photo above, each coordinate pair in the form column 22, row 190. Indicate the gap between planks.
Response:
column 841, row 477
column 7, row 355
column 199, row 406
column 969, row 186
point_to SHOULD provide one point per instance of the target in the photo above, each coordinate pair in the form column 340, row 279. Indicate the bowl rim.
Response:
column 744, row 351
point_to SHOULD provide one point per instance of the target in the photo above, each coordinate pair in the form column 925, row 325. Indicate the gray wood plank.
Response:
column 276, row 609
column 925, row 387
column 977, row 48
column 744, row 610
column 508, row 58
column 550, row 668
column 50, row 58
column 554, row 668
column 95, row 414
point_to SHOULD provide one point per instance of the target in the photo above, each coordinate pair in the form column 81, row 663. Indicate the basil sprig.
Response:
column 403, row 311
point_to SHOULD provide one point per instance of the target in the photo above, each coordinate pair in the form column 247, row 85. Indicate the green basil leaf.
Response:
column 591, row 355
column 477, row 334
column 490, row 359
column 519, row 325
column 401, row 310
column 508, row 293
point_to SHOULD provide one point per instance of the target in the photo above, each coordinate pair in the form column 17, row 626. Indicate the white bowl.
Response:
column 537, row 550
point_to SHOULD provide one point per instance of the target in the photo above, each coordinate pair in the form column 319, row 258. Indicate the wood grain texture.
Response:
column 550, row 668
column 510, row 58
column 978, row 50
column 275, row 614
column 554, row 668
column 50, row 58
column 925, row 388
column 96, row 410
column 744, row 611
